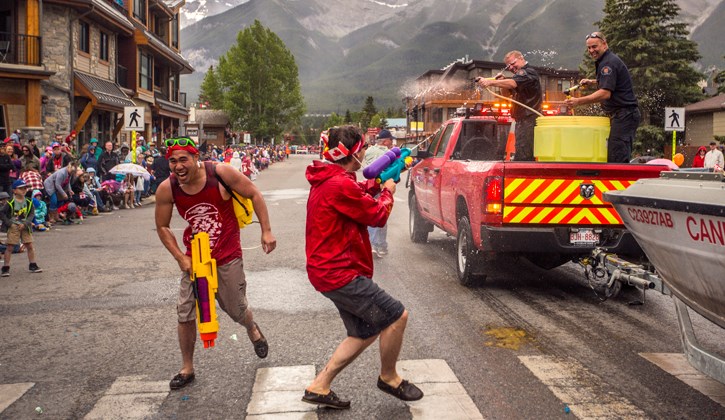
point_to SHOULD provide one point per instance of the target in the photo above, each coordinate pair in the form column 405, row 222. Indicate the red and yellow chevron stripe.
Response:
column 557, row 201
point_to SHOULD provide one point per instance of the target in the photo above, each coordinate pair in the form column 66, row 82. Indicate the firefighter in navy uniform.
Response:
column 526, row 86
column 615, row 92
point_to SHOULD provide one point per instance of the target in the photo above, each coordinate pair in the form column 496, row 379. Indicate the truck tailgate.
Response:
column 566, row 193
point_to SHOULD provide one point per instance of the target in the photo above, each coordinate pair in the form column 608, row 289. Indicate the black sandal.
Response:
column 181, row 380
column 261, row 348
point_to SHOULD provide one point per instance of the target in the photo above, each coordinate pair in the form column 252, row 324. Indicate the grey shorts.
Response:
column 231, row 293
column 365, row 308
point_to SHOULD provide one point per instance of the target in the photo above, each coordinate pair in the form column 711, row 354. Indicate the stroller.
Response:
column 111, row 194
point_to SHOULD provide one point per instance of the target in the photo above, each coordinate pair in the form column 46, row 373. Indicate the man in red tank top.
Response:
column 206, row 205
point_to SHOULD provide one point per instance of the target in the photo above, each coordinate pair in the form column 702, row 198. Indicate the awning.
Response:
column 102, row 92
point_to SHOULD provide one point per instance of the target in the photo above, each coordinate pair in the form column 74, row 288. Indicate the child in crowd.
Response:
column 41, row 211
column 138, row 189
column 17, row 214
column 69, row 212
column 127, row 187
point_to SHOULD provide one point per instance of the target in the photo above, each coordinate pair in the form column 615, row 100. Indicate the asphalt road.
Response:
column 104, row 308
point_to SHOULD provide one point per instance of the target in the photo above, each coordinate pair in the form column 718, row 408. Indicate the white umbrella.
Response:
column 131, row 168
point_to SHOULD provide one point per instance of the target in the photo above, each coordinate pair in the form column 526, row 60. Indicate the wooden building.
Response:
column 210, row 126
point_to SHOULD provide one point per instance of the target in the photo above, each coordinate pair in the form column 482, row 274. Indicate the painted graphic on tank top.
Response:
column 204, row 217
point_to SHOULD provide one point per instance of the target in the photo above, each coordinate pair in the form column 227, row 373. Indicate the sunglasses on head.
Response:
column 180, row 141
column 595, row 35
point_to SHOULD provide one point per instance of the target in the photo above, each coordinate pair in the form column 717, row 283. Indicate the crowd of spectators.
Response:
column 66, row 185
column 72, row 184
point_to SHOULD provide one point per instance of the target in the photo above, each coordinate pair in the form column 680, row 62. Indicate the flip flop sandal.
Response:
column 261, row 348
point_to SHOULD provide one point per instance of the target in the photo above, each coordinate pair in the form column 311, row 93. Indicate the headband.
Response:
column 189, row 148
column 341, row 151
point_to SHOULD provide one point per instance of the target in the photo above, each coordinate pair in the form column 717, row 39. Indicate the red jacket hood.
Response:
column 339, row 210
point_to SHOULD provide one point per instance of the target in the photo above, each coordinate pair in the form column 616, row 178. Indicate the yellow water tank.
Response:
column 571, row 139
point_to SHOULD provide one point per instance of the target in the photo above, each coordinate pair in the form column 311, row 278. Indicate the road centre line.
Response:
column 9, row 393
column 583, row 392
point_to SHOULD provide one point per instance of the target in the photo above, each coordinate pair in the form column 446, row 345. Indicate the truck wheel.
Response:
column 418, row 226
column 467, row 259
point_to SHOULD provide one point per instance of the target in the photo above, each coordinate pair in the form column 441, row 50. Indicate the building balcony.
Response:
column 20, row 49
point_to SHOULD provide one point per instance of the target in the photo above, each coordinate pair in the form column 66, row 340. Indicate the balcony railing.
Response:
column 20, row 49
column 122, row 76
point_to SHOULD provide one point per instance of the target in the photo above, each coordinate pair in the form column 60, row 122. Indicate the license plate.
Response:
column 584, row 237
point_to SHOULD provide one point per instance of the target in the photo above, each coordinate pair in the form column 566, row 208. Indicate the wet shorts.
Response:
column 365, row 308
column 231, row 294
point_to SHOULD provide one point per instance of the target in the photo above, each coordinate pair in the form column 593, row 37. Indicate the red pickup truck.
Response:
column 548, row 212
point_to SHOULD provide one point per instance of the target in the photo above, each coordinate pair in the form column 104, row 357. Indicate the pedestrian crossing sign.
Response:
column 674, row 119
column 133, row 118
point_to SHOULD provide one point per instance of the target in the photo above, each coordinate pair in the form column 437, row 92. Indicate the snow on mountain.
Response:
column 196, row 10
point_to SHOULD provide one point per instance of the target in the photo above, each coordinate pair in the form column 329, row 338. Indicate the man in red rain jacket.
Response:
column 340, row 266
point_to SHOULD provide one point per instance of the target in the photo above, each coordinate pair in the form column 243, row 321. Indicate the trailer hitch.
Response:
column 610, row 272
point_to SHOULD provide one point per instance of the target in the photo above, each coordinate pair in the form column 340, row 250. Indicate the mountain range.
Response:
column 348, row 50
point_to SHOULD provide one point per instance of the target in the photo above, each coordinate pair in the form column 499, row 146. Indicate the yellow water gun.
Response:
column 205, row 283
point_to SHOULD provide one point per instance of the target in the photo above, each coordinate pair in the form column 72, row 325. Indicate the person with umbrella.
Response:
column 201, row 193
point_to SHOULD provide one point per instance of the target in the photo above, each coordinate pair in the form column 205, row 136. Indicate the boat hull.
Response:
column 680, row 225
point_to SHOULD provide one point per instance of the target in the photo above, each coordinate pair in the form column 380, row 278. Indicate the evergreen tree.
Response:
column 652, row 41
column 261, row 84
column 367, row 113
column 720, row 80
column 211, row 91
column 348, row 117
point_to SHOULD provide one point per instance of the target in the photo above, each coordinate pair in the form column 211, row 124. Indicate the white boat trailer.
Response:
column 615, row 272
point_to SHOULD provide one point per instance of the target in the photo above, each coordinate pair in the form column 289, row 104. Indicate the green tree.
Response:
column 261, row 84
column 211, row 90
column 348, row 117
column 651, row 39
column 367, row 112
column 334, row 121
column 375, row 121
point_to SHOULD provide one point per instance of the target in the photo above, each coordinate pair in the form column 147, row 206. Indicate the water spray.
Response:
column 507, row 98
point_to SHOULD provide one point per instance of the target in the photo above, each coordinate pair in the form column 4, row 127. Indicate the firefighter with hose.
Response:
column 527, row 102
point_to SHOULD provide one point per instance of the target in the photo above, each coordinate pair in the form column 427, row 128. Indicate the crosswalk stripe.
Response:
column 9, row 393
column 277, row 393
column 444, row 397
column 676, row 364
column 130, row 397
column 581, row 390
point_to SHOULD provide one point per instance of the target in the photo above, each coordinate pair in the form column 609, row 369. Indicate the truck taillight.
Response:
column 493, row 195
